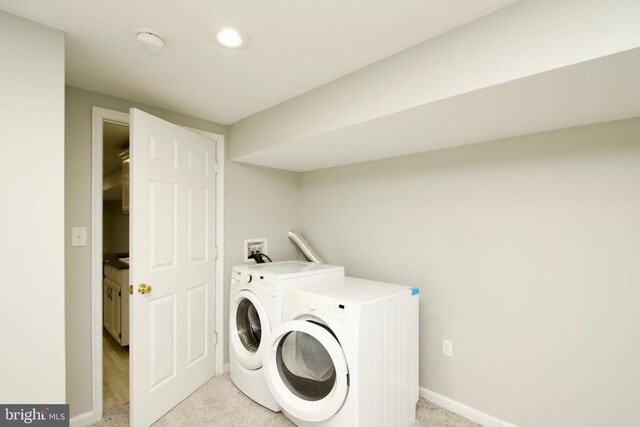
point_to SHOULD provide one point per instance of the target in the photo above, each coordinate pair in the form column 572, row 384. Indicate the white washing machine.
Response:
column 255, row 307
column 346, row 354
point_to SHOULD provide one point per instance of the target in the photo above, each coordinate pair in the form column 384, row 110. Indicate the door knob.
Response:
column 144, row 289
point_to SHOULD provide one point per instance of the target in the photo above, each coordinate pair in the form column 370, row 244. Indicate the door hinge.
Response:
column 216, row 167
column 119, row 293
column 120, row 334
column 215, row 338
column 215, row 253
column 130, row 289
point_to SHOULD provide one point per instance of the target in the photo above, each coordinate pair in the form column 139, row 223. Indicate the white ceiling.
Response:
column 297, row 45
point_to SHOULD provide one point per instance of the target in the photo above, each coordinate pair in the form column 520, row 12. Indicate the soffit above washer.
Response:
column 530, row 67
column 601, row 90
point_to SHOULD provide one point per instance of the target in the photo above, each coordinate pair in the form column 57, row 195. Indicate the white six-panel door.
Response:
column 172, row 250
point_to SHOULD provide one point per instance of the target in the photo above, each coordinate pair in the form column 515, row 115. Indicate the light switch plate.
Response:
column 79, row 236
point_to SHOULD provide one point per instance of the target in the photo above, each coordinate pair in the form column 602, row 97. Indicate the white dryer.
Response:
column 346, row 354
column 255, row 308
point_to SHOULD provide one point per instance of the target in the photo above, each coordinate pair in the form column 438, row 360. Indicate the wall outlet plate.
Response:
column 253, row 246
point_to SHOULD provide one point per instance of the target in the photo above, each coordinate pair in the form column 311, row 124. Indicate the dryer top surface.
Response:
column 355, row 290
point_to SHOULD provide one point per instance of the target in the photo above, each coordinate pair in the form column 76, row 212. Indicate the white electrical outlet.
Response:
column 447, row 348
column 253, row 246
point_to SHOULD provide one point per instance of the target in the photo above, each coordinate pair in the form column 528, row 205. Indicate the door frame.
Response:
column 100, row 115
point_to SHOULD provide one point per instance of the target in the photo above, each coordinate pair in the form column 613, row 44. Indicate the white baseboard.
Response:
column 82, row 420
column 464, row 410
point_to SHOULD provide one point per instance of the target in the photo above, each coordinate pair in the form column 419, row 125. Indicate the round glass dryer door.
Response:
column 306, row 370
column 248, row 323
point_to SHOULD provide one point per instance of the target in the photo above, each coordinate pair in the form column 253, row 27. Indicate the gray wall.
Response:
column 526, row 255
column 32, row 214
column 259, row 202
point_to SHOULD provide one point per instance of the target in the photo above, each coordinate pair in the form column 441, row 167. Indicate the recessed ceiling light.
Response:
column 149, row 40
column 230, row 36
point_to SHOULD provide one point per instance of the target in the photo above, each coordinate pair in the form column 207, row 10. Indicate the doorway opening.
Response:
column 112, row 366
column 115, row 276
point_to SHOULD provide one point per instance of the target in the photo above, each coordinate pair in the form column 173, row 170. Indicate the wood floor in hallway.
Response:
column 115, row 372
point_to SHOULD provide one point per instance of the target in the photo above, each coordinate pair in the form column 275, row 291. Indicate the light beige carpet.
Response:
column 220, row 403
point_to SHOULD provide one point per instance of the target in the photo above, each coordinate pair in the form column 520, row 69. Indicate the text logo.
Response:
column 34, row 415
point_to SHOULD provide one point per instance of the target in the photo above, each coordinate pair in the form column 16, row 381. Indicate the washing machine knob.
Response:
column 245, row 278
column 313, row 305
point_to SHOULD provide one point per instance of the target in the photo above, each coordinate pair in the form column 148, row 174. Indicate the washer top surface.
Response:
column 288, row 268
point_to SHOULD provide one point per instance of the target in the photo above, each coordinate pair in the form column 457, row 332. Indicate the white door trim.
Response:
column 98, row 116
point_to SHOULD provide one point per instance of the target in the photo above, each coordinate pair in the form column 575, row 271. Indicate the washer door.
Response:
column 306, row 370
column 248, row 327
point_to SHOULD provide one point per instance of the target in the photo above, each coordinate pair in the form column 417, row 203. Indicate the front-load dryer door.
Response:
column 306, row 370
column 249, row 327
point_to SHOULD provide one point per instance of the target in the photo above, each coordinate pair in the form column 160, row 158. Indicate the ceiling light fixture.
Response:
column 230, row 36
column 149, row 40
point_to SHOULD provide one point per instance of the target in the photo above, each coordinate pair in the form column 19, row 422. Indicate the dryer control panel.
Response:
column 302, row 302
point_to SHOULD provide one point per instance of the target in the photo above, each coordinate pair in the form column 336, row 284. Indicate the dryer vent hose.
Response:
column 304, row 247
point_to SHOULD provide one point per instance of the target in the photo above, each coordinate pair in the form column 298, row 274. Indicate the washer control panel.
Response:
column 261, row 282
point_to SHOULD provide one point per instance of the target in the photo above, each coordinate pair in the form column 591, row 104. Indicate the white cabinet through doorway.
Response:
column 115, row 303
